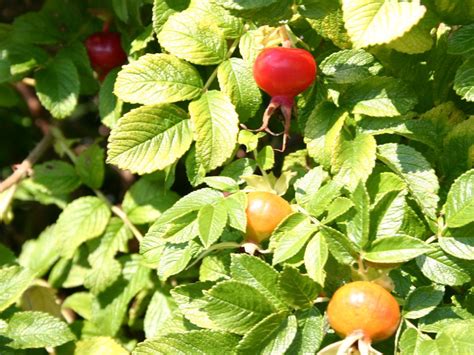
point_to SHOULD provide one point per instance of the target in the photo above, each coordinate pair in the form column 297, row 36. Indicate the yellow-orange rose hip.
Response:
column 364, row 306
column 265, row 211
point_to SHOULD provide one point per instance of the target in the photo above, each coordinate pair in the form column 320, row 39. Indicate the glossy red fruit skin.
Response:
column 105, row 51
column 284, row 71
column 265, row 210
column 364, row 306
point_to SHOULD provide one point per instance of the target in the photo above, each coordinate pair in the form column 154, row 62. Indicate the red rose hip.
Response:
column 283, row 73
column 105, row 51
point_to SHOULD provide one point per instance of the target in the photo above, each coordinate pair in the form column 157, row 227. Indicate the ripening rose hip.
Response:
column 364, row 307
column 105, row 51
column 283, row 73
column 265, row 211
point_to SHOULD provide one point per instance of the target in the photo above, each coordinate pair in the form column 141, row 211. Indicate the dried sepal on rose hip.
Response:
column 362, row 312
column 105, row 52
column 265, row 210
column 283, row 73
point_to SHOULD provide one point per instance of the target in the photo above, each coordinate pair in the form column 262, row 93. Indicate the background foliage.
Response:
column 95, row 259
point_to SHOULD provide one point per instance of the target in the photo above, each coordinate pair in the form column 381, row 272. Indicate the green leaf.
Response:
column 461, row 335
column 371, row 22
column 459, row 207
column 443, row 268
column 416, row 172
column 236, row 307
column 195, row 39
column 215, row 267
column 460, row 247
column 236, row 205
column 150, row 138
column 76, row 51
column 462, row 40
column 211, row 220
column 39, row 254
column 290, row 236
column 439, row 318
column 348, row 66
column 174, row 258
column 379, row 96
column 239, row 168
column 57, row 87
column 339, row 245
column 464, row 80
column 411, row 340
column 193, row 201
column 160, row 309
column 14, row 280
column 231, row 26
column 146, row 200
column 83, row 219
column 308, row 185
column 7, row 257
column 315, row 257
column 325, row 17
column 258, row 274
column 108, row 315
column 354, row 159
column 311, row 329
column 458, row 147
column 388, row 214
column 253, row 42
column 177, row 225
column 215, row 127
column 17, row 59
column 115, row 239
column 110, row 106
column 396, row 249
column 422, row 301
column 8, row 96
column 158, row 78
column 139, row 44
column 261, row 12
column 80, row 303
column 99, row 345
column 102, row 276
column 56, row 177
column 37, row 330
column 418, row 130
column 322, row 132
column 191, row 301
column 162, row 9
column 265, row 158
column 418, row 39
column 298, row 290
column 90, row 166
column 35, row 27
column 222, row 183
column 273, row 335
column 359, row 223
column 193, row 342
column 236, row 81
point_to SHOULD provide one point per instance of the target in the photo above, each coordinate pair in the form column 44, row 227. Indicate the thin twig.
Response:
column 23, row 170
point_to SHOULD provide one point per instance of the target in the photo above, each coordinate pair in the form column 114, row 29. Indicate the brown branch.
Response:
column 23, row 170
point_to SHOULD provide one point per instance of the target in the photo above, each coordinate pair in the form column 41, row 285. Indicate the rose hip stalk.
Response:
column 283, row 73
